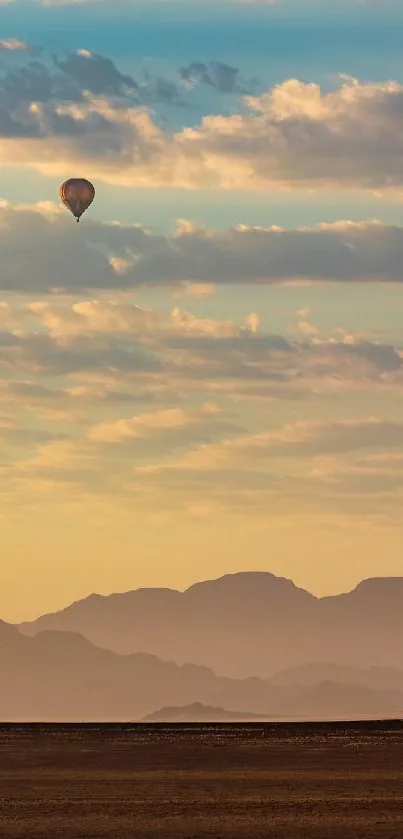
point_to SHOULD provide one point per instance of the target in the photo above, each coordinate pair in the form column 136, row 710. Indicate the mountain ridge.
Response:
column 243, row 624
column 96, row 596
column 62, row 677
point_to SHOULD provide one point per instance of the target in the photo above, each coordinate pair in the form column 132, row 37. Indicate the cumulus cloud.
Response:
column 40, row 97
column 294, row 135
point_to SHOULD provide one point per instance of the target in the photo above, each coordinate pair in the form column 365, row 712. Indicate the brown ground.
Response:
column 240, row 782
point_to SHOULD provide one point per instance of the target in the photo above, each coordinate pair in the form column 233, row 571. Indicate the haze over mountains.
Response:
column 245, row 644
column 197, row 712
column 61, row 676
column 246, row 624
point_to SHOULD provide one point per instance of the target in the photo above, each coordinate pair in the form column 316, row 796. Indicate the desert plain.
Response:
column 266, row 781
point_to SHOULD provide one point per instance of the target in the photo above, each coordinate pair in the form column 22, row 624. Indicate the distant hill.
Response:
column 246, row 624
column 376, row 678
column 61, row 676
column 196, row 712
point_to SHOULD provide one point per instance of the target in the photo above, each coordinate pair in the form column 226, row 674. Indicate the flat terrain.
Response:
column 338, row 780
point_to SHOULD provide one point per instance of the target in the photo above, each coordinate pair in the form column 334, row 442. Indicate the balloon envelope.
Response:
column 77, row 194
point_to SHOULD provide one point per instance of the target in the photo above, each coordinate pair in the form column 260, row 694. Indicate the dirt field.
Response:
column 240, row 782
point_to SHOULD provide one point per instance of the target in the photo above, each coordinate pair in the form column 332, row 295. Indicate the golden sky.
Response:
column 205, row 375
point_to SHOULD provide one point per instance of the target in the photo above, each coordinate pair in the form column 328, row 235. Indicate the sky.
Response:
column 206, row 375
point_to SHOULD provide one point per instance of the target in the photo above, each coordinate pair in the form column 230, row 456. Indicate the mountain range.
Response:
column 245, row 646
column 245, row 624
column 61, row 676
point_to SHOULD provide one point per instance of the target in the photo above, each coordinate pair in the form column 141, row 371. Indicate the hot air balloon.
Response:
column 77, row 194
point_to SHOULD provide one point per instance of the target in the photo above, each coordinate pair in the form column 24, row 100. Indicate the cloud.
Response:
column 142, row 425
column 102, row 457
column 300, row 466
column 116, row 256
column 303, row 463
column 111, row 318
column 15, row 45
column 117, row 343
column 42, row 98
column 293, row 136
column 217, row 74
column 104, row 402
column 96, row 73
column 303, row 439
